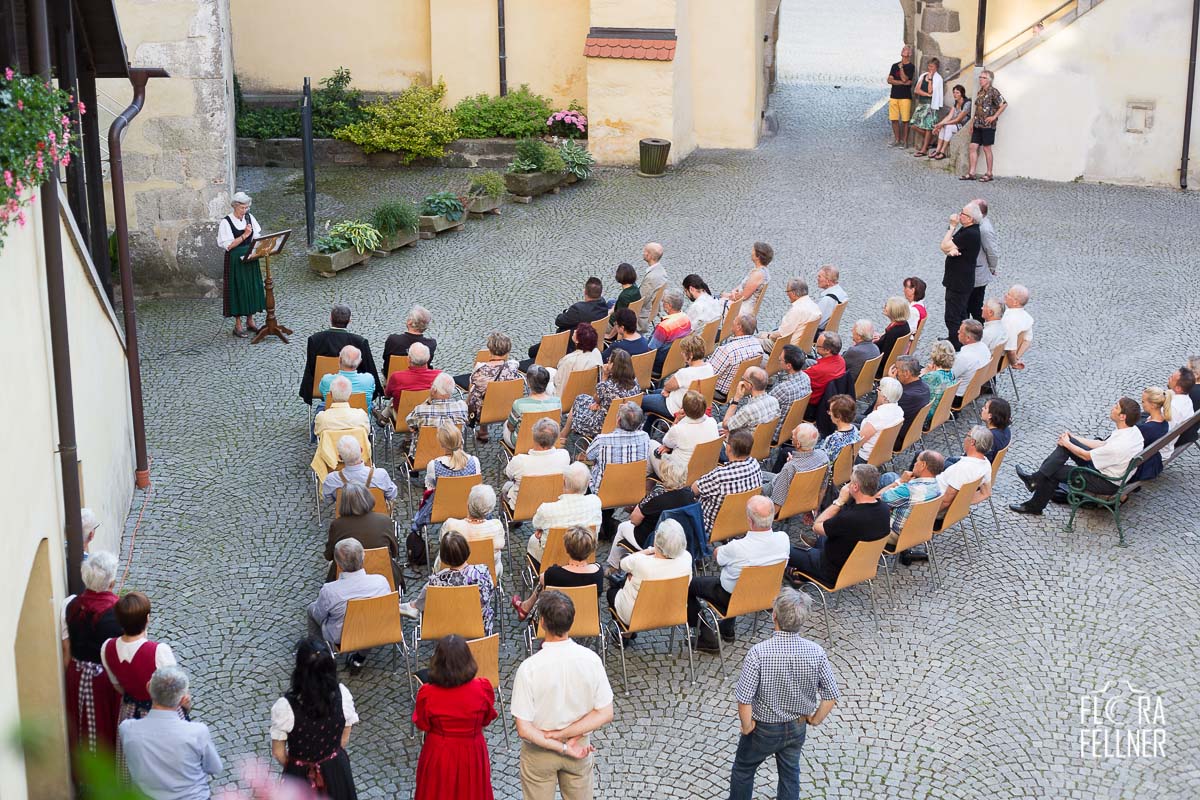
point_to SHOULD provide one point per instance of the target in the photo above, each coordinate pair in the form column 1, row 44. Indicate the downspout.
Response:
column 1191, row 95
column 503, row 48
column 138, row 77
column 60, row 343
column 980, row 28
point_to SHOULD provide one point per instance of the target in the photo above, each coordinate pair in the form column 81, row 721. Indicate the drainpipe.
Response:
column 138, row 77
column 1191, row 96
column 980, row 27
column 60, row 343
column 503, row 49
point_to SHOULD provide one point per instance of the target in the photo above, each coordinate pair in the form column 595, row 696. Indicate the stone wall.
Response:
column 486, row 153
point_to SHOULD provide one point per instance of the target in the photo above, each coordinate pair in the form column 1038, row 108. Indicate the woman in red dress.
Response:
column 453, row 706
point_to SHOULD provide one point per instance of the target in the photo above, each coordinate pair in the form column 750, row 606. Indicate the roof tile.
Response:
column 633, row 49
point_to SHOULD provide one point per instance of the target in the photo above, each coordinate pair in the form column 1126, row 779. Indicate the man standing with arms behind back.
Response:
column 961, row 245
column 900, row 78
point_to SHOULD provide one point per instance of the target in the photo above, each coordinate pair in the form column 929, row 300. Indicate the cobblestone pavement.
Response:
column 969, row 690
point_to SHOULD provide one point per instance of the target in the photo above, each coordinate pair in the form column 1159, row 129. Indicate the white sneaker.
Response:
column 409, row 610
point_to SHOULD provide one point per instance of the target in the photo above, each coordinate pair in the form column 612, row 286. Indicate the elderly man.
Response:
column 543, row 459
column 340, row 416
column 624, row 445
column 1110, row 457
column 900, row 78
column 572, row 507
column 912, row 486
column 862, row 349
column 418, row 377
column 330, row 343
column 750, row 405
column 974, row 465
column 786, row 684
column 327, row 613
column 442, row 406
column 800, row 313
column 831, row 295
column 169, row 758
column 988, row 262
column 654, row 279
column 349, row 361
column 915, row 394
column 759, row 547
column 415, row 325
column 559, row 696
column 855, row 516
column 802, row 456
column 973, row 356
column 350, row 453
column 792, row 385
column 674, row 325
column 741, row 346
column 829, row 367
column 89, row 523
column 1017, row 321
column 993, row 325
column 591, row 308
column 740, row 474
column 961, row 244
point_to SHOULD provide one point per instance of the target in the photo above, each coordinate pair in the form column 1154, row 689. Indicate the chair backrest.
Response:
column 884, row 442
column 740, row 372
column 756, row 589
column 552, row 348
column 758, row 297
column 793, row 417
column 704, row 459
column 483, row 355
column 732, row 311
column 396, row 364
column 525, row 429
column 377, row 561
column 806, row 336
column 960, row 506
column 674, row 358
column 918, row 527
column 866, row 377
column 357, row 400
column 486, row 651
column 1000, row 454
column 862, row 565
column 731, row 518
column 707, row 387
column 763, row 433
column 587, row 611
column 326, row 365
column 381, row 503
column 372, row 622
column 533, row 491
column 554, row 551
column 601, row 326
column 915, row 429
column 843, row 463
column 981, row 376
column 581, row 381
column 916, row 336
column 427, row 447
column 636, row 305
column 614, row 408
column 450, row 499
column 498, row 399
column 899, row 348
column 623, row 484
column 657, row 304
column 835, row 316
column 998, row 362
column 660, row 603
column 804, row 493
column 408, row 401
column 945, row 404
column 452, row 609
column 775, row 359
column 643, row 367
column 709, row 334
column 483, row 553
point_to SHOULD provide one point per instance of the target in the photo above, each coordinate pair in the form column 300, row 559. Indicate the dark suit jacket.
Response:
column 914, row 398
column 330, row 343
column 372, row 530
column 583, row 311
column 398, row 343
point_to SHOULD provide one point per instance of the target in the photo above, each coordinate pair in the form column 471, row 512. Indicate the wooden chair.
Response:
column 581, row 381
column 552, row 349
column 861, row 567
column 325, row 365
column 763, row 433
column 916, row 335
column 758, row 297
column 482, row 356
column 995, row 474
column 656, row 306
column 381, row 504
column 450, row 499
column 614, row 409
column 601, row 327
column 372, row 622
column 835, row 316
column 498, row 399
column 732, row 311
column 704, row 459
column 866, row 376
column 525, row 431
column 755, row 592
column 806, row 336
column 426, row 450
column 884, row 442
column 396, row 364
column 917, row 530
column 843, row 463
column 973, row 390
column 707, row 387
column 674, row 359
column 804, row 493
column 587, row 618
column 1022, row 346
column 486, row 651
column 357, row 400
column 407, row 402
column 740, row 372
column 636, row 305
column 622, row 485
column 483, row 553
column 709, row 336
column 793, row 417
column 377, row 561
column 731, row 518
column 643, row 367
column 959, row 510
column 914, row 430
column 775, row 359
column 659, row 604
column 449, row 609
column 899, row 348
column 941, row 412
column 533, row 491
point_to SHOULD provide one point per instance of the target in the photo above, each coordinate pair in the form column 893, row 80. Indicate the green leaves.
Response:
column 395, row 216
column 335, row 106
column 413, row 124
column 534, row 155
column 486, row 184
column 516, row 114
column 578, row 160
column 361, row 236
column 444, row 204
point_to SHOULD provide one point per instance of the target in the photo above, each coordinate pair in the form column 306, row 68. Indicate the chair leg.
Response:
column 687, row 640
column 1013, row 377
column 503, row 716
column 995, row 519
column 975, row 530
column 874, row 612
column 621, row 645
column 887, row 576
column 933, row 567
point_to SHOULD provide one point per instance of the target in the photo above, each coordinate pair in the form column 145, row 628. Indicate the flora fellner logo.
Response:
column 1120, row 721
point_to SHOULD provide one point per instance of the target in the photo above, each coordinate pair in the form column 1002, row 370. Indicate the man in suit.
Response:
column 330, row 343
column 591, row 308
column 654, row 279
column 961, row 244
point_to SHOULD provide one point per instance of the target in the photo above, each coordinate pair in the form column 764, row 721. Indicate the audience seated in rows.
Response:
column 543, row 459
column 349, row 361
column 327, row 613
column 573, row 507
column 479, row 524
column 742, row 345
column 581, row 569
column 539, row 400
column 354, row 470
column 667, row 402
column 667, row 558
column 415, row 326
column 740, row 474
column 855, row 516
column 636, row 532
column 454, row 462
column 453, row 554
column 829, row 366
column 801, row 311
column 803, row 457
column 653, row 279
column 896, row 311
column 357, row 519
column 915, row 394
column 862, row 348
column 750, row 405
column 339, row 416
column 693, row 428
column 625, row 335
column 704, row 308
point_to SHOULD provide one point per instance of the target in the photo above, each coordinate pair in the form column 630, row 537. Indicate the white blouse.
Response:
column 163, row 656
column 283, row 719
column 226, row 233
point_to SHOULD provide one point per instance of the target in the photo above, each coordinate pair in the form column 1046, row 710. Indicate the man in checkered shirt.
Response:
column 900, row 492
column 786, row 685
column 741, row 346
column 625, row 444
column 441, row 407
column 740, row 474
column 750, row 405
column 792, row 385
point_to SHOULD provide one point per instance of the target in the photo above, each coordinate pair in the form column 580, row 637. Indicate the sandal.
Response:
column 919, row 154
column 967, row 177
column 938, row 156
column 987, row 178
column 520, row 609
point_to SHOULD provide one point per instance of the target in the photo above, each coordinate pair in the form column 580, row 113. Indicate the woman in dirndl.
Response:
column 310, row 724
column 89, row 620
column 244, row 295
column 928, row 93
column 130, row 661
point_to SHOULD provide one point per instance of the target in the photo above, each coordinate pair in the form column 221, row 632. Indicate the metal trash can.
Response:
column 653, row 161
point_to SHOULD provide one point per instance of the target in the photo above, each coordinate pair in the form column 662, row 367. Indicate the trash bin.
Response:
column 654, row 154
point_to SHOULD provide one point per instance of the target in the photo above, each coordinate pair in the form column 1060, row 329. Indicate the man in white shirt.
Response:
column 1180, row 384
column 572, row 507
column 993, row 326
column 560, row 695
column 543, row 459
column 340, row 416
column 760, row 547
column 1017, row 321
column 1110, row 457
column 654, row 279
column 327, row 613
column 973, row 356
column 831, row 295
column 801, row 312
column 974, row 465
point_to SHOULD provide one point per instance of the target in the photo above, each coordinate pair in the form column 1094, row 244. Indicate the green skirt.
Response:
column 244, row 294
column 924, row 117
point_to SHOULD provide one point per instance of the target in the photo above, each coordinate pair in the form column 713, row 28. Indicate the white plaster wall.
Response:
column 1067, row 98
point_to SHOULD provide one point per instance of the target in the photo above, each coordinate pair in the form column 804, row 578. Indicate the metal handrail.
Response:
column 991, row 54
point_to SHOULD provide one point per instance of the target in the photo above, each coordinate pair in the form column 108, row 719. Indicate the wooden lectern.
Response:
column 269, row 245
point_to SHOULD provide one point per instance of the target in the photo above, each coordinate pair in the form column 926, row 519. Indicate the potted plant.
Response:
column 345, row 244
column 441, row 211
column 568, row 124
column 484, row 193
column 578, row 160
column 397, row 222
column 538, row 168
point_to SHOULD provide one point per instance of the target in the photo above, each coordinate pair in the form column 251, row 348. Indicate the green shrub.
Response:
column 335, row 106
column 346, row 234
column 445, row 204
column 516, row 114
column 534, row 155
column 413, row 124
column 395, row 216
column 578, row 160
column 486, row 184
column 269, row 123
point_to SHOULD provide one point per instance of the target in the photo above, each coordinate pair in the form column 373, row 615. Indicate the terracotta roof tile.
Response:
column 634, row 49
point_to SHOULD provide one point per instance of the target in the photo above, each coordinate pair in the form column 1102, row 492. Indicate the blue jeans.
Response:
column 657, row 403
column 780, row 739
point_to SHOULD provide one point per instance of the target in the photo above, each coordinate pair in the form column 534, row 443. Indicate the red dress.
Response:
column 454, row 760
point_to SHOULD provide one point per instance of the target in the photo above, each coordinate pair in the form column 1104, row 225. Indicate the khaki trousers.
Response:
column 543, row 770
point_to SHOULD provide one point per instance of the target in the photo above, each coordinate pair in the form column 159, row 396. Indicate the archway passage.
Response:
column 845, row 42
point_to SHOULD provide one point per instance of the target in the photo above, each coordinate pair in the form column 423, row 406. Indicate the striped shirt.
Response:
column 752, row 412
column 902, row 496
column 800, row 461
column 785, row 678
column 790, row 388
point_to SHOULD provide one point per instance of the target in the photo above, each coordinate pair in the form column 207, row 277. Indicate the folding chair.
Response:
column 372, row 622
column 377, row 561
column 357, row 400
column 449, row 501
column 707, row 387
column 996, row 462
column 524, row 441
column 673, row 361
column 656, row 306
column 793, row 417
column 1022, row 346
column 486, row 651
column 404, row 406
column 914, row 430
column 732, row 312
column 552, row 349
column 533, row 491
column 554, row 553
column 587, row 618
column 862, row 566
column 709, row 336
column 581, row 381
column 601, row 326
column 382, row 506
column 755, row 591
column 448, row 609
column 763, row 432
column 427, row 450
column 775, row 359
column 835, row 316
column 739, row 373
column 498, row 399
column 806, row 336
column 973, row 390
column 636, row 305
column 660, row 604
column 731, row 517
column 941, row 412
column 758, row 297
column 622, row 485
column 482, row 356
column 614, row 409
column 483, row 553
column 325, row 365
column 866, row 376
column 959, row 510
column 396, row 364
column 885, row 441
column 899, row 348
column 803, row 494
column 843, row 464
column 643, row 367
column 704, row 459
column 916, row 335
column 917, row 530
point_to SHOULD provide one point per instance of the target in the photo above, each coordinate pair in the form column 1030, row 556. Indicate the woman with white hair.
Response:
column 243, row 294
column 89, row 621
column 479, row 523
column 887, row 413
column 668, row 557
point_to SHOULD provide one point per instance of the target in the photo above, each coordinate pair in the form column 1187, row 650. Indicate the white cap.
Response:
column 240, row 197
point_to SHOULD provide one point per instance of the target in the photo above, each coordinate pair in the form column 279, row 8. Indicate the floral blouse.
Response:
column 937, row 381
column 835, row 441
column 481, row 377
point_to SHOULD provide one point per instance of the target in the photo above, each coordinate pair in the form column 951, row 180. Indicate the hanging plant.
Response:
column 35, row 139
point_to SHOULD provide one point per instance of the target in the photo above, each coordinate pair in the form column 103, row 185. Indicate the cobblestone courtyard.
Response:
column 970, row 690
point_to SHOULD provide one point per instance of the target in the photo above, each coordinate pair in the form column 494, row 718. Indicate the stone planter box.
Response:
column 483, row 205
column 432, row 226
column 525, row 185
column 329, row 264
column 400, row 239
